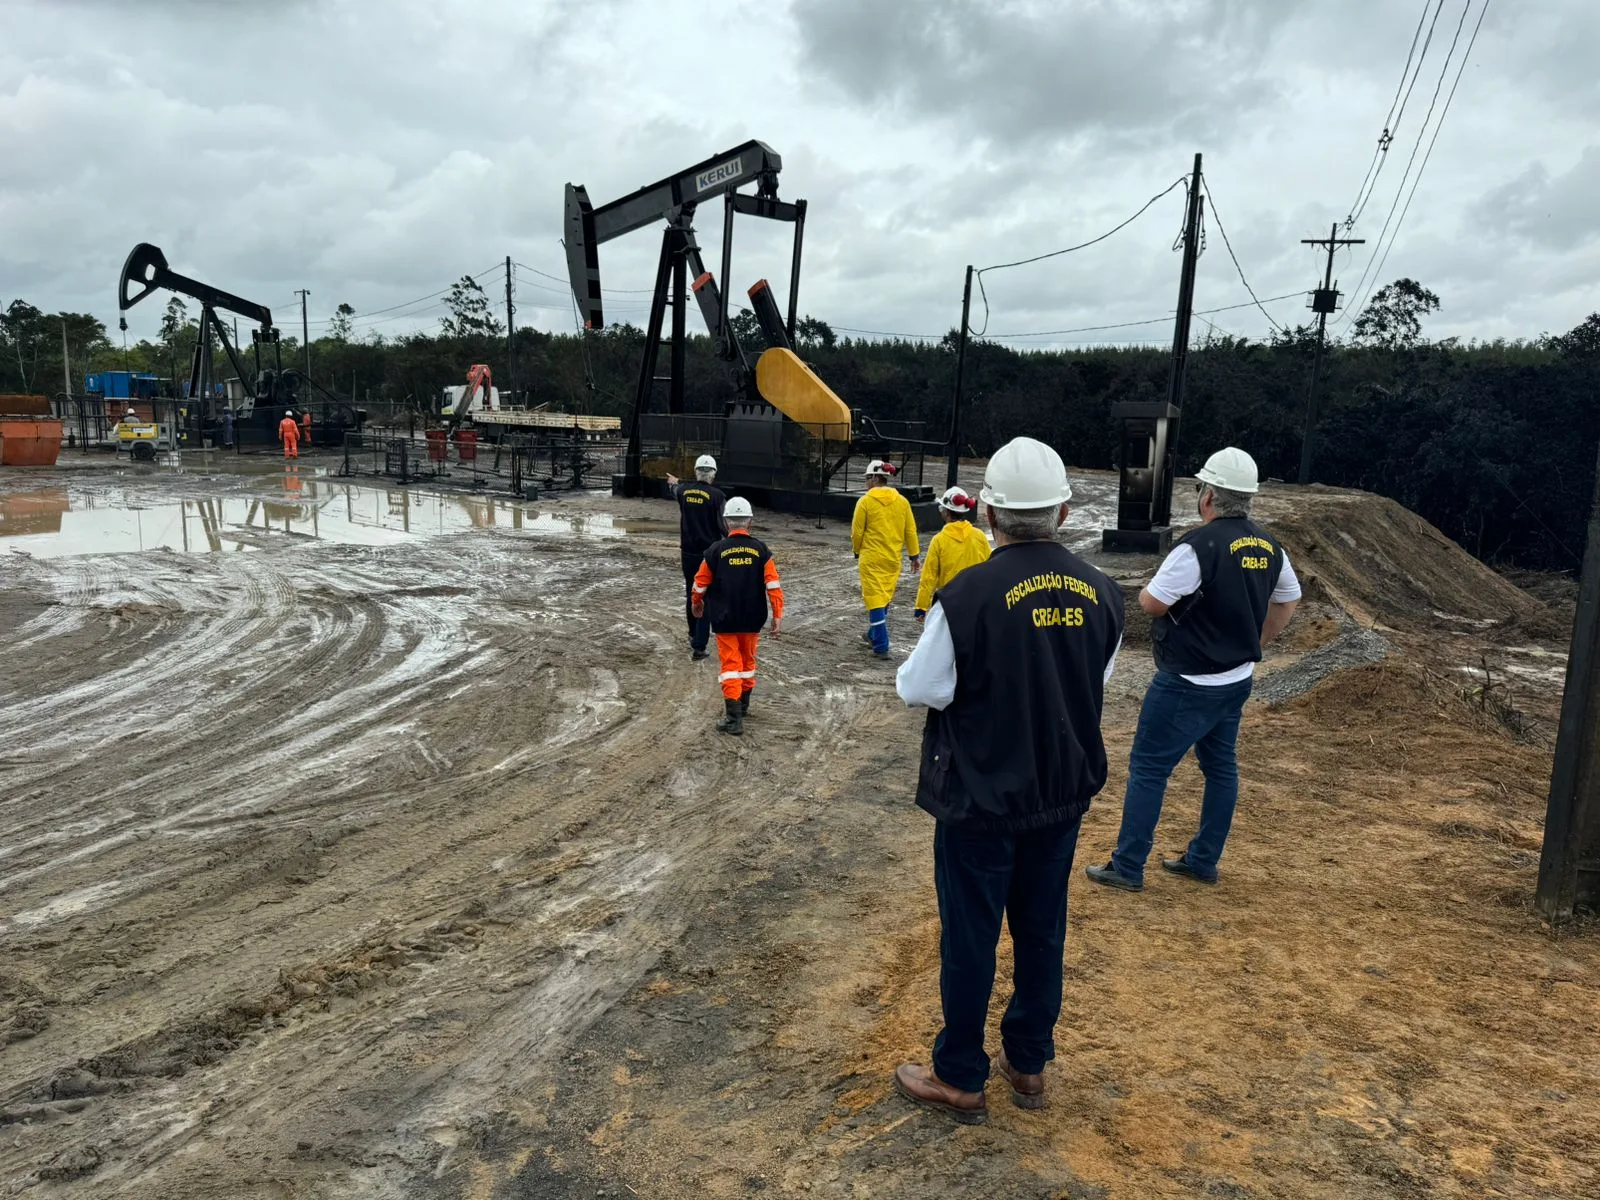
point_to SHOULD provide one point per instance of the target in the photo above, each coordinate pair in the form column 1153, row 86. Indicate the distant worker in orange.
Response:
column 736, row 581
column 954, row 548
column 305, row 427
column 289, row 435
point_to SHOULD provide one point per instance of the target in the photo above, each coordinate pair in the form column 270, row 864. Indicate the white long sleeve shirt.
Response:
column 927, row 678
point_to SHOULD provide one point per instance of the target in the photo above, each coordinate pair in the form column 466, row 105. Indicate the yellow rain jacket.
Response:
column 883, row 525
column 954, row 548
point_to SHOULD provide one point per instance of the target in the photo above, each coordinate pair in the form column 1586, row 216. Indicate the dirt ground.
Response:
column 363, row 844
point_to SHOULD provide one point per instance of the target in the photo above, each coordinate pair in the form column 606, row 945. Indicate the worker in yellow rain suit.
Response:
column 882, row 527
column 289, row 435
column 954, row 548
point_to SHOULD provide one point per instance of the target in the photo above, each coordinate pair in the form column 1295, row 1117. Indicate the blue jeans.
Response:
column 979, row 877
column 1178, row 715
column 878, row 629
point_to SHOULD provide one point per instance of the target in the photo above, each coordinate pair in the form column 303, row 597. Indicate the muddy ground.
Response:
column 361, row 845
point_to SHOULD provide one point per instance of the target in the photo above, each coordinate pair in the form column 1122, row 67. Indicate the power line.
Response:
column 1394, row 128
column 1386, row 138
column 1460, row 69
column 1378, row 246
column 1217, row 216
column 566, row 284
column 1022, row 262
column 1080, row 329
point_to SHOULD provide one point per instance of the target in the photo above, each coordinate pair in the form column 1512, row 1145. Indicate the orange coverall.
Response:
column 736, row 652
column 305, row 427
column 289, row 435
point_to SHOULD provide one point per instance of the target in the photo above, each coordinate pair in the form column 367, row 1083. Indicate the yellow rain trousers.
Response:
column 882, row 528
column 954, row 548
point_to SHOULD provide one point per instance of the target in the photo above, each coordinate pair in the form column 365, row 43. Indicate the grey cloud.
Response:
column 1555, row 211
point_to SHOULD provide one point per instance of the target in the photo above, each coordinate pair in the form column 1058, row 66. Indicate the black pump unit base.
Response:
column 837, row 506
column 1136, row 541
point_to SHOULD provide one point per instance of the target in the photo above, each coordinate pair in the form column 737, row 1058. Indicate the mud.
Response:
column 401, row 860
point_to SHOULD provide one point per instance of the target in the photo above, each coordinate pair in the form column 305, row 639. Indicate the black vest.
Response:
column 700, row 516
column 736, row 601
column 1019, row 747
column 1219, row 627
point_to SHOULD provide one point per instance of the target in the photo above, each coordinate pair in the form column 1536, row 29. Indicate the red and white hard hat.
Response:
column 957, row 500
column 878, row 467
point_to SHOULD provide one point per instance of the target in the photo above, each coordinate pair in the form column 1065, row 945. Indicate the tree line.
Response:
column 1495, row 443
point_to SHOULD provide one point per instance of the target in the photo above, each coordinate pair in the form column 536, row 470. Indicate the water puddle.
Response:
column 55, row 522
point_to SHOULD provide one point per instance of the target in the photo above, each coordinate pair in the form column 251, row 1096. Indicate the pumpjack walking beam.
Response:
column 681, row 268
column 147, row 269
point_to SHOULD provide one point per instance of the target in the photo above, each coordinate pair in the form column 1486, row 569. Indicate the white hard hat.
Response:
column 288, row 412
column 705, row 463
column 957, row 500
column 878, row 467
column 737, row 508
column 1232, row 470
column 1025, row 474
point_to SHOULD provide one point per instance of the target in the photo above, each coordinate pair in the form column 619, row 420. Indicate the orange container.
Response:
column 467, row 445
column 437, row 449
column 29, row 442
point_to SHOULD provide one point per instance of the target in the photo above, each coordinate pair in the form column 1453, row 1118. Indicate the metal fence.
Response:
column 525, row 467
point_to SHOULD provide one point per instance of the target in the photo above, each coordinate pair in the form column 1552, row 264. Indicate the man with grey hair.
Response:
column 1012, row 665
column 1224, row 592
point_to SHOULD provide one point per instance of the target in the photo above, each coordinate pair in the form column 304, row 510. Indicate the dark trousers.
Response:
column 981, row 877
column 699, row 629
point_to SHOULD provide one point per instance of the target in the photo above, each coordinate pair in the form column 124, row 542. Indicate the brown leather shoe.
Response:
column 1027, row 1091
column 920, row 1085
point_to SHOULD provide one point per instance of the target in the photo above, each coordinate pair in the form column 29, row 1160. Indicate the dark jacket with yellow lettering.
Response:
column 699, row 516
column 1219, row 627
column 1019, row 747
column 738, row 580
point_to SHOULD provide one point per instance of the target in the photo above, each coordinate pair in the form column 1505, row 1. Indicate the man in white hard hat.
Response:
column 883, row 526
column 1222, row 594
column 700, row 523
column 1012, row 665
column 734, row 586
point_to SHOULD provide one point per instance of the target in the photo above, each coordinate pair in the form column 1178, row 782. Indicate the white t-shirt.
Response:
column 1179, row 576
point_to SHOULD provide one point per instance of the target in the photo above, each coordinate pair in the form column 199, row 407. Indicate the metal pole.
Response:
column 511, row 333
column 725, row 286
column 1161, row 500
column 1569, row 867
column 66, row 364
column 954, row 466
column 305, row 332
column 794, row 265
column 680, row 329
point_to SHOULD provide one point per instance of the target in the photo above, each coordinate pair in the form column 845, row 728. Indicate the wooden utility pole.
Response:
column 66, row 367
column 954, row 467
column 1569, row 867
column 1323, row 302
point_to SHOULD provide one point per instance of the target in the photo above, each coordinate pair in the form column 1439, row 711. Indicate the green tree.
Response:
column 340, row 329
column 470, row 313
column 22, row 329
column 173, row 323
column 1392, row 319
column 812, row 333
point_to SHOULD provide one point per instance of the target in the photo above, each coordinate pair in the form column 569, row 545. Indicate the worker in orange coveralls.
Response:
column 305, row 426
column 736, row 581
column 289, row 435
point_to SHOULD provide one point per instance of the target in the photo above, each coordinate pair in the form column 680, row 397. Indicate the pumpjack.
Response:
column 266, row 392
column 785, row 432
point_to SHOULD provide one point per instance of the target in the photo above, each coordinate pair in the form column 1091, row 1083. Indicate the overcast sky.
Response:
column 374, row 150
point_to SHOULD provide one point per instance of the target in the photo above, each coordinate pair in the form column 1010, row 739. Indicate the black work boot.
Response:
column 733, row 722
column 744, row 704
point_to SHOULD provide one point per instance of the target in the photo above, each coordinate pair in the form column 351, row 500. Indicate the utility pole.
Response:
column 66, row 365
column 1323, row 302
column 1569, row 867
column 1149, row 428
column 511, row 334
column 955, row 404
column 305, row 331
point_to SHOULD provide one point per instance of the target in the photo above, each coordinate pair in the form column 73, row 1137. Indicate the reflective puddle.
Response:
column 53, row 522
